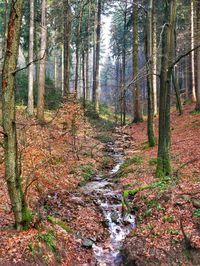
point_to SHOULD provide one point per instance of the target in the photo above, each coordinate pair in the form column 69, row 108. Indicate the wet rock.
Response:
column 115, row 217
column 87, row 243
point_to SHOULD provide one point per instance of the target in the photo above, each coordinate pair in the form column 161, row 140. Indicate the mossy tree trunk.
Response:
column 8, row 111
column 164, row 161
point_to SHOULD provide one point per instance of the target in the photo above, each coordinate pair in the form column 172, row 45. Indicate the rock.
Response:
column 196, row 203
column 87, row 243
column 115, row 218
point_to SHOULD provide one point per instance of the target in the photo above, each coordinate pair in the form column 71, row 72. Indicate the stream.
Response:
column 107, row 196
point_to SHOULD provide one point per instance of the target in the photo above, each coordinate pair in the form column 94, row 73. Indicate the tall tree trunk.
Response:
column 124, row 68
column 67, row 38
column 198, row 59
column 30, row 108
column 164, row 161
column 88, row 54
column 150, row 77
column 154, row 57
column 77, row 50
column 8, row 111
column 136, row 88
column 192, row 54
column 83, row 78
column 97, row 58
column 63, row 68
column 42, row 73
column 55, row 69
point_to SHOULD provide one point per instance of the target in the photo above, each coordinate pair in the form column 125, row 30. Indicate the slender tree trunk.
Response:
column 42, row 75
column 67, row 39
column 88, row 54
column 154, row 57
column 63, row 69
column 8, row 112
column 150, row 77
column 97, row 58
column 186, row 74
column 192, row 54
column 124, row 68
column 164, row 161
column 77, row 50
column 30, row 108
column 83, row 77
column 55, row 69
column 136, row 88
column 198, row 59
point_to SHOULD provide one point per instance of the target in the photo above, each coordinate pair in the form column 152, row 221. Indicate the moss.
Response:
column 49, row 239
column 196, row 213
column 153, row 161
column 104, row 138
column 60, row 223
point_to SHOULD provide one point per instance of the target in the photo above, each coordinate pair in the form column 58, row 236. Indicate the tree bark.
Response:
column 197, row 108
column 77, row 50
column 96, row 83
column 30, row 108
column 150, row 77
column 123, row 93
column 8, row 112
column 42, row 73
column 67, row 39
column 164, row 161
column 154, row 57
column 192, row 54
column 136, row 89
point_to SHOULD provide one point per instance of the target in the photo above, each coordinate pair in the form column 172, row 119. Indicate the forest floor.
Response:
column 168, row 216
column 57, row 158
column 60, row 156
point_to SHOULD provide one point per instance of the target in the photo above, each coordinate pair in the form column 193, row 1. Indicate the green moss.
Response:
column 60, row 223
column 168, row 219
column 145, row 146
column 49, row 239
column 195, row 112
column 196, row 213
column 27, row 217
column 104, row 138
column 153, row 161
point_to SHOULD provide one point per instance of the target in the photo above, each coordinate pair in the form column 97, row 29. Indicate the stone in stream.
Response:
column 115, row 218
column 87, row 243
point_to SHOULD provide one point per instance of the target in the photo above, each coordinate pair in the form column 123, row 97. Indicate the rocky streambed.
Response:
column 105, row 193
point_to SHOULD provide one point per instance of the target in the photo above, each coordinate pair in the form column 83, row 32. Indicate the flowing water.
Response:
column 104, row 191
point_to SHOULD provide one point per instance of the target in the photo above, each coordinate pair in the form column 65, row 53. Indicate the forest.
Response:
column 99, row 132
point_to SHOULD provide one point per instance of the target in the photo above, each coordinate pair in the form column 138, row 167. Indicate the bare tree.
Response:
column 8, row 111
column 30, row 108
column 42, row 73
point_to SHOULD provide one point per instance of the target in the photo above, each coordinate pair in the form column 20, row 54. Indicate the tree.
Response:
column 30, row 107
column 136, row 88
column 13, row 178
column 97, row 58
column 67, row 38
column 164, row 162
column 150, row 77
column 42, row 73
column 198, row 59
column 192, row 54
